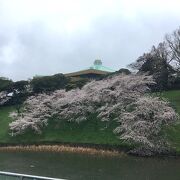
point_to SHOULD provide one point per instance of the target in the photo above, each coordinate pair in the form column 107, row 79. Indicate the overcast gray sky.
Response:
column 43, row 37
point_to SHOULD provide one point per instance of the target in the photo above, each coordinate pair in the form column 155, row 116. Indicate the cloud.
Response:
column 52, row 36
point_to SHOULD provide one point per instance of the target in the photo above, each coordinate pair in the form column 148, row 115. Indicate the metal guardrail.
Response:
column 17, row 176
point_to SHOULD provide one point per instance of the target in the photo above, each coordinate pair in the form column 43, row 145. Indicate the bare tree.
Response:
column 173, row 42
column 158, row 63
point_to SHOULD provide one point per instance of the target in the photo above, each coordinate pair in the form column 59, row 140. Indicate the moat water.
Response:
column 73, row 166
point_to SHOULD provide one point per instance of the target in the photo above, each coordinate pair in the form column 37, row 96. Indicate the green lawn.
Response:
column 4, row 121
column 91, row 131
column 173, row 133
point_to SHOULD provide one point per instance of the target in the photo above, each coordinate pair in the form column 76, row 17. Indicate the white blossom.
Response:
column 145, row 120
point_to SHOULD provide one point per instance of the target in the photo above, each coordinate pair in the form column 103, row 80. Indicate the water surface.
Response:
column 90, row 167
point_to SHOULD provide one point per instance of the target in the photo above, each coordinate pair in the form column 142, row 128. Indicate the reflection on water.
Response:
column 90, row 167
column 8, row 178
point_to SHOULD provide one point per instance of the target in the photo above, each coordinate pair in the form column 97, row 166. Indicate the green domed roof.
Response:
column 98, row 66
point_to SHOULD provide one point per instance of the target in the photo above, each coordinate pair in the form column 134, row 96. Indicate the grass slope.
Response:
column 91, row 131
column 4, row 122
column 173, row 132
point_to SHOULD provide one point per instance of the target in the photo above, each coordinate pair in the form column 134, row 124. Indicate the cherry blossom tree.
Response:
column 143, row 123
column 120, row 98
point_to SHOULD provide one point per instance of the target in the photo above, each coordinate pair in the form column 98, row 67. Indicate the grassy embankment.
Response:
column 173, row 132
column 91, row 131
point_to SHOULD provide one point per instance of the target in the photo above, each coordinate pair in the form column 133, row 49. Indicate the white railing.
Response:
column 25, row 176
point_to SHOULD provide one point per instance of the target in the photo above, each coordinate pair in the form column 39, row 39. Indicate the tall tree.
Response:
column 48, row 83
column 173, row 42
column 5, row 83
column 157, row 63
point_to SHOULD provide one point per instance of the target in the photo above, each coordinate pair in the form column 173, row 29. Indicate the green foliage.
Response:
column 76, row 83
column 19, row 92
column 176, row 82
column 120, row 71
column 5, row 83
column 48, row 83
column 20, row 86
column 124, row 71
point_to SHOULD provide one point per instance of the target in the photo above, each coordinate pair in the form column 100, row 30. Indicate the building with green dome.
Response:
column 93, row 72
